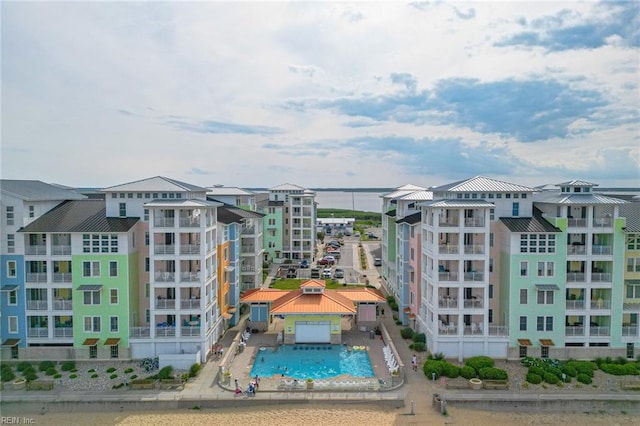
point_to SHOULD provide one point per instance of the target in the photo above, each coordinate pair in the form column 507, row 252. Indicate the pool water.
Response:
column 312, row 361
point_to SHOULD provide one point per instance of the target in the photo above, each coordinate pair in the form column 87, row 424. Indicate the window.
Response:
column 113, row 268
column 13, row 298
column 633, row 242
column 146, row 264
column 114, row 351
column 546, row 269
column 130, row 195
column 524, row 266
column 122, row 195
column 146, row 214
column 123, row 209
column 32, row 212
column 540, row 323
column 139, row 195
column 146, row 238
column 147, row 290
column 91, row 269
column 491, row 239
column 114, row 195
column 13, row 325
column 113, row 296
column 412, row 255
column 490, row 316
column 490, row 264
column 544, row 323
column 544, row 352
column 97, row 243
column 633, row 291
column 11, row 243
column 630, row 350
column 633, row 264
column 113, row 324
column 523, row 323
column 515, row 208
column 545, row 297
column 93, row 351
column 226, row 253
column 507, row 195
column 147, row 315
column 523, row 296
column 9, row 215
column 12, row 269
column 523, row 352
column 147, row 195
column 91, row 297
column 92, row 324
column 490, row 291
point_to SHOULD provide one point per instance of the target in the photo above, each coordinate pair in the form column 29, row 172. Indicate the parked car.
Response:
column 377, row 262
column 372, row 236
column 327, row 260
column 334, row 244
column 338, row 273
column 315, row 273
column 292, row 273
column 334, row 253
column 304, row 263
column 326, row 273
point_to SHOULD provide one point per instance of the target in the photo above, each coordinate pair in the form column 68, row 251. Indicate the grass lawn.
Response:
column 294, row 284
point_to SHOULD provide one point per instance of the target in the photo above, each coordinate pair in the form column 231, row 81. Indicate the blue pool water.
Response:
column 314, row 361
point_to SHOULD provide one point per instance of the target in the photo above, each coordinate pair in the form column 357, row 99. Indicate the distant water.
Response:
column 363, row 201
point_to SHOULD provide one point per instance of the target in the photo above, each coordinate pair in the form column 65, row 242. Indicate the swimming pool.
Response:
column 314, row 361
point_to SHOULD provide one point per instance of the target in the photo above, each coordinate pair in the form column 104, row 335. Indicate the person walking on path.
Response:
column 414, row 362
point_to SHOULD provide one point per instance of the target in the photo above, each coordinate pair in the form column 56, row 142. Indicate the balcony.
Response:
column 61, row 250
column 576, row 249
column 165, row 303
column 38, row 332
column 39, row 249
column 498, row 330
column 473, row 303
column 447, row 302
column 164, row 222
column 448, row 248
column 576, row 277
column 190, row 222
column 164, row 249
column 251, row 230
column 602, row 222
column 165, row 277
column 473, row 329
column 248, row 249
column 601, row 277
column 601, row 304
column 448, row 276
column 601, row 250
column 575, row 304
column 599, row 331
column 248, row 269
column 570, row 331
column 577, row 223
column 62, row 277
column 139, row 332
column 189, row 277
column 190, row 331
column 474, row 222
column 63, row 332
column 630, row 330
column 62, row 305
column 36, row 277
column 190, row 249
column 165, row 331
column 449, row 223
column 474, row 276
column 190, row 303
column 474, row 249
column 37, row 305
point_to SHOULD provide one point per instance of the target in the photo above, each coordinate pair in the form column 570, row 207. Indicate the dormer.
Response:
column 312, row 287
column 576, row 187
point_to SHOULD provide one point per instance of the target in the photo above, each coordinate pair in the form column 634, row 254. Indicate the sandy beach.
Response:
column 325, row 415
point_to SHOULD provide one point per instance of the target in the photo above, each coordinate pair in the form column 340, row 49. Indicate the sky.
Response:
column 321, row 94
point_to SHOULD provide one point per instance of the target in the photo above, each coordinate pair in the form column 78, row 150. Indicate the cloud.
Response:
column 469, row 14
column 197, row 171
column 407, row 79
column 220, row 127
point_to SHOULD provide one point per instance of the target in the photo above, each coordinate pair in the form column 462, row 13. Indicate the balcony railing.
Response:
column 451, row 223
column 248, row 249
column 62, row 277
column 190, row 331
column 448, row 248
column 474, row 249
column 63, row 332
column 574, row 331
column 630, row 330
column 248, row 269
column 473, row 303
column 164, row 249
column 190, row 303
column 189, row 277
column 62, row 305
column 601, row 250
column 602, row 222
column 36, row 277
column 575, row 304
column 165, row 276
column 38, row 332
column 601, row 304
column 165, row 303
column 575, row 277
column 474, row 276
column 164, row 222
column 448, row 276
column 190, row 249
column 474, row 221
column 248, row 231
column 448, row 302
column 599, row 331
column 601, row 277
column 140, row 332
column 64, row 250
column 473, row 329
column 37, row 305
column 190, row 222
column 498, row 330
column 36, row 250
column 576, row 223
column 165, row 331
column 576, row 249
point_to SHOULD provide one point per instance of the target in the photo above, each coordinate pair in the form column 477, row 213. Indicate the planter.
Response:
column 19, row 384
column 475, row 383
column 309, row 384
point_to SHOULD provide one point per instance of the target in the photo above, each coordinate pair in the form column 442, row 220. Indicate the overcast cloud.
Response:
column 321, row 94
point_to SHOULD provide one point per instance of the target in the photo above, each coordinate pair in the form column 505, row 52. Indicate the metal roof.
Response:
column 547, row 287
column 228, row 190
column 242, row 213
column 576, row 182
column 80, row 216
column 581, row 198
column 410, row 219
column 179, row 202
column 632, row 212
column 35, row 190
column 457, row 204
column 528, row 224
column 90, row 287
column 416, row 196
column 482, row 184
column 155, row 184
column 288, row 187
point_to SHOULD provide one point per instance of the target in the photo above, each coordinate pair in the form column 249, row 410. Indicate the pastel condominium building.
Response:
column 142, row 269
column 510, row 271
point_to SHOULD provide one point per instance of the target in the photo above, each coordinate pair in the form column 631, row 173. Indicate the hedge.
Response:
column 492, row 373
column 584, row 378
column 46, row 365
column 467, row 372
column 433, row 366
column 450, row 370
column 418, row 346
column 420, row 338
column 533, row 378
column 407, row 333
column 479, row 362
column 551, row 378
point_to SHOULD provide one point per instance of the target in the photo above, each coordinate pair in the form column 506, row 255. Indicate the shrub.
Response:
column 118, row 386
column 194, row 370
column 620, row 369
column 553, row 370
column 68, row 366
column 536, row 370
column 128, row 370
column 94, row 376
column 91, row 370
column 407, row 333
column 438, row 356
column 420, row 338
column 23, row 365
column 534, row 379
column 418, row 346
column 551, row 378
column 479, row 362
column 584, row 378
column 6, row 374
column 57, row 376
column 166, row 373
column 583, row 367
column 450, row 370
column 467, row 372
column 73, row 376
column 111, row 369
column 432, row 366
column 631, row 369
column 390, row 299
column 113, row 376
column 492, row 373
column 398, row 322
column 569, row 371
column 133, row 377
column 46, row 365
column 31, row 375
column 51, row 371
column 393, row 305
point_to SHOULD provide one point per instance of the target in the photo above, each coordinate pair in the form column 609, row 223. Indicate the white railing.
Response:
column 190, row 303
column 602, row 222
column 575, row 277
column 140, row 332
column 574, row 331
column 575, row 304
column 164, row 222
column 164, row 249
column 36, row 250
column 165, row 276
column 190, row 249
column 63, row 332
column 603, row 250
column 165, row 331
column 599, row 331
column 38, row 332
column 498, row 330
column 474, row 249
column 448, row 223
column 36, row 277
column 576, row 249
column 62, row 277
column 474, row 276
column 190, row 222
column 37, row 305
column 576, row 223
column 190, row 331
column 248, row 231
column 448, row 248
column 61, row 250
column 601, row 277
column 189, row 276
column 601, row 304
column 473, row 303
column 165, row 303
column 474, row 221
column 448, row 302
column 62, row 305
column 448, row 276
column 629, row 330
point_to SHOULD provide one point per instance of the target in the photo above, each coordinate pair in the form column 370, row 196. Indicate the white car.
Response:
column 326, row 273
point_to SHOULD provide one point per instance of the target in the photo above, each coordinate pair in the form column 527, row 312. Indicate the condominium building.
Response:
column 289, row 223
